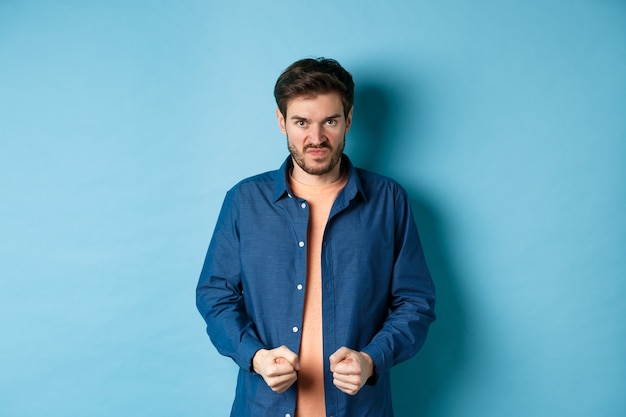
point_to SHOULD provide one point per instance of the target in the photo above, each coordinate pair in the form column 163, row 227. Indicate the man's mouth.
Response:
column 317, row 151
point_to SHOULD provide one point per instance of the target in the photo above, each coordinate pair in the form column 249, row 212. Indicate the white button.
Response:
column 287, row 415
column 295, row 329
column 303, row 205
column 299, row 287
column 301, row 244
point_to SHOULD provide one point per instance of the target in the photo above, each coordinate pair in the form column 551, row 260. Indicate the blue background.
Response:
column 123, row 123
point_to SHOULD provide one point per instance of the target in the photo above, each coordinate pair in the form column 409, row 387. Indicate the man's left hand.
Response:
column 351, row 369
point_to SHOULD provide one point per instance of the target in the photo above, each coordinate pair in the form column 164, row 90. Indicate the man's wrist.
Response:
column 253, row 367
column 369, row 363
column 371, row 374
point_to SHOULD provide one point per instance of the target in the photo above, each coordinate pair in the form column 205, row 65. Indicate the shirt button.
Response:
column 295, row 329
column 287, row 415
column 299, row 287
column 303, row 205
column 301, row 244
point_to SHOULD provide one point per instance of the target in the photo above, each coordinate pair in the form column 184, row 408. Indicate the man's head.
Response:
column 312, row 77
column 314, row 98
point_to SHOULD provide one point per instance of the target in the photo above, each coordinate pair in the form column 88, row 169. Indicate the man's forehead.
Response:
column 329, row 103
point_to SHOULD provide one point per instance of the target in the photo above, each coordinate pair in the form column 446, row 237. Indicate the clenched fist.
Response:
column 278, row 367
column 351, row 369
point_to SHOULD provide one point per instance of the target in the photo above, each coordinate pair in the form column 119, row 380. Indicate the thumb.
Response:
column 338, row 356
column 289, row 356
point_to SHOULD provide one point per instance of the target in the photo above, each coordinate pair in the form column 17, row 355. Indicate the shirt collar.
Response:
column 353, row 186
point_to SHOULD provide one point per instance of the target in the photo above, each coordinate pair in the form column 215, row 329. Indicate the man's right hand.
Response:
column 278, row 367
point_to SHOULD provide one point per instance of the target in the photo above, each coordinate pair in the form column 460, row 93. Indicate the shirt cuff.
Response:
column 380, row 364
column 247, row 349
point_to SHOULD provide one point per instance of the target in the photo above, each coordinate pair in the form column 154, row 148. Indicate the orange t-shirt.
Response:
column 310, row 396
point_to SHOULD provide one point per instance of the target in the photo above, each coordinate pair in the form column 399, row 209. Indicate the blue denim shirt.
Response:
column 377, row 294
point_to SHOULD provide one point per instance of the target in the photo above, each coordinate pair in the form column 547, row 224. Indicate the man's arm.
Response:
column 411, row 296
column 219, row 295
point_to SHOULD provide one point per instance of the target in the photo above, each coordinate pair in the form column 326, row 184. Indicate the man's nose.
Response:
column 317, row 135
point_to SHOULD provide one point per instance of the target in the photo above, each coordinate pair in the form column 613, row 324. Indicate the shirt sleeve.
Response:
column 411, row 297
column 219, row 296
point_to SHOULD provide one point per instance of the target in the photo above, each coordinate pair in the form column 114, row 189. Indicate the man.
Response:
column 315, row 282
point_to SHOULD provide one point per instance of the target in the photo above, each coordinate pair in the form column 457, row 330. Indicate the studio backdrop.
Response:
column 123, row 124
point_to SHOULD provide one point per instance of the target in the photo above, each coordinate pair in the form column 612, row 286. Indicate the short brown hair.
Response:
column 311, row 77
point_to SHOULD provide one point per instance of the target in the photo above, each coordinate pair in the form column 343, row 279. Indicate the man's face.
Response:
column 316, row 128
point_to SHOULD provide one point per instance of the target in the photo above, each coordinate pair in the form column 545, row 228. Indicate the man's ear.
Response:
column 349, row 119
column 281, row 121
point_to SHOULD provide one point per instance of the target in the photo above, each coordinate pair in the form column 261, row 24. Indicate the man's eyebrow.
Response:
column 334, row 116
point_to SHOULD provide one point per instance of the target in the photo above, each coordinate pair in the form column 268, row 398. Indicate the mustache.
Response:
column 320, row 146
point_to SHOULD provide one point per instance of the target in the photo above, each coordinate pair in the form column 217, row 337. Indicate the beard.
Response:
column 317, row 169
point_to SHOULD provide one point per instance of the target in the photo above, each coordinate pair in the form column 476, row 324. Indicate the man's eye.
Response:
column 300, row 123
column 331, row 122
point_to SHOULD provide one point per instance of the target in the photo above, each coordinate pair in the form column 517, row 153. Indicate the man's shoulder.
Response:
column 374, row 181
column 367, row 175
column 264, row 177
column 262, row 181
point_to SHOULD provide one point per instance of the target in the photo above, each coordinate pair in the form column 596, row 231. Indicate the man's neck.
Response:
column 305, row 178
